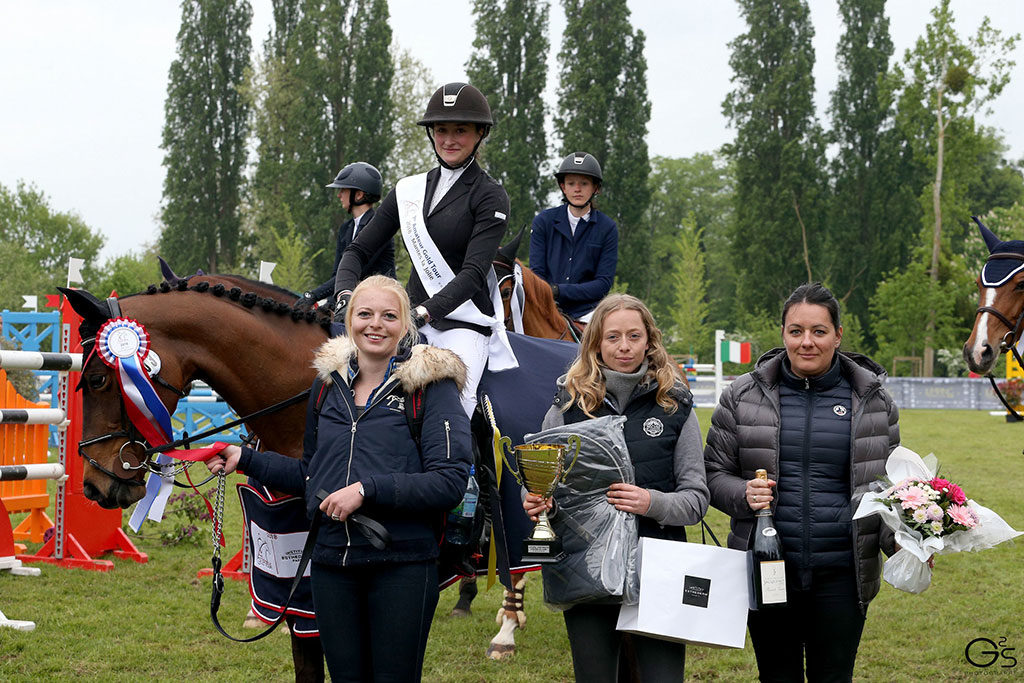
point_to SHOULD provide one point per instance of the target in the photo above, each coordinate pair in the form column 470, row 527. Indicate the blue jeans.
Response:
column 374, row 620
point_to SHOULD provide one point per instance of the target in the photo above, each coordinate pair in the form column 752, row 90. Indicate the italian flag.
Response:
column 735, row 352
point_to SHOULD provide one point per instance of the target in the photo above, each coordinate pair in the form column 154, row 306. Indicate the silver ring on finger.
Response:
column 335, row 517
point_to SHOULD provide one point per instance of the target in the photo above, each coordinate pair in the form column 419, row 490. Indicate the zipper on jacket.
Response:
column 352, row 445
column 805, row 550
column 447, row 440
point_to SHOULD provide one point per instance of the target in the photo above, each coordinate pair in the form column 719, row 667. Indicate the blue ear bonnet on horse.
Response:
column 998, row 271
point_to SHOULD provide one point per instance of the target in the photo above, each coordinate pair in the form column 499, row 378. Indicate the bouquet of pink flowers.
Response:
column 931, row 506
column 930, row 516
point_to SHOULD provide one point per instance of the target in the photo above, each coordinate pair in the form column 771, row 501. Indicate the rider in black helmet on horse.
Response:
column 452, row 220
column 359, row 187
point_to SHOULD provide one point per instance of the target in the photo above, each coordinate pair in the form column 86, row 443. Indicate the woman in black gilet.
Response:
column 624, row 369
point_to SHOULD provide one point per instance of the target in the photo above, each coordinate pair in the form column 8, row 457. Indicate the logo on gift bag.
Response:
column 696, row 590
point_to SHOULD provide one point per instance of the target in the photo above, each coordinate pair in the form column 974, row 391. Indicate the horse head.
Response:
column 504, row 269
column 1000, row 314
column 242, row 337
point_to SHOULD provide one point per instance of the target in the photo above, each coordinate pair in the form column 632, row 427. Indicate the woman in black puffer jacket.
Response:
column 374, row 607
column 820, row 422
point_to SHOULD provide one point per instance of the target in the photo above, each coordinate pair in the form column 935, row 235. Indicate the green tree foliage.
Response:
column 127, row 273
column 778, row 152
column 294, row 268
column 411, row 88
column 36, row 242
column 901, row 308
column 874, row 215
column 943, row 83
column 603, row 109
column 509, row 65
column 687, row 319
column 205, row 133
column 699, row 191
column 323, row 96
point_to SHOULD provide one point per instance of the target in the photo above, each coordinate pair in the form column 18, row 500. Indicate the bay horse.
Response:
column 541, row 317
column 247, row 342
column 1000, row 314
column 242, row 338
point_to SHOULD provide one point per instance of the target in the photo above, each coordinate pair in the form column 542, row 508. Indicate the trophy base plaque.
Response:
column 541, row 551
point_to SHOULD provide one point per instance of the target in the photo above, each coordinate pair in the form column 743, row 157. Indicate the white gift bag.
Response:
column 690, row 592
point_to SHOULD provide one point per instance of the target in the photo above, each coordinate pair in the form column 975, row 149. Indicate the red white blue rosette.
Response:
column 122, row 338
column 123, row 344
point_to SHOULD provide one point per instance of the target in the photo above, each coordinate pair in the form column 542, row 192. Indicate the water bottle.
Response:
column 460, row 519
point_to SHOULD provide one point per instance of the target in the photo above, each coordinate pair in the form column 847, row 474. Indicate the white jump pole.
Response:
column 40, row 360
column 11, row 563
column 31, row 416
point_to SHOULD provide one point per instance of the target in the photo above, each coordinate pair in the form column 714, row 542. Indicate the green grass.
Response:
column 152, row 620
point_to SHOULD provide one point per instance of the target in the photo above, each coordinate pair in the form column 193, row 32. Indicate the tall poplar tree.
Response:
column 509, row 65
column 778, row 152
column 204, row 138
column 324, row 101
column 874, row 209
column 603, row 109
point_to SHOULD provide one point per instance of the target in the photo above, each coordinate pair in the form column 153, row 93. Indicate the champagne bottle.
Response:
column 769, row 565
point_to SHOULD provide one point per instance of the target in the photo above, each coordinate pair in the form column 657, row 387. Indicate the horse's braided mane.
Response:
column 248, row 299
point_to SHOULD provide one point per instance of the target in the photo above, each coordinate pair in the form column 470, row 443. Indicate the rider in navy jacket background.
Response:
column 579, row 263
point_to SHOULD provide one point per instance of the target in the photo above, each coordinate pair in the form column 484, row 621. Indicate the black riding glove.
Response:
column 304, row 302
column 340, row 306
column 554, row 292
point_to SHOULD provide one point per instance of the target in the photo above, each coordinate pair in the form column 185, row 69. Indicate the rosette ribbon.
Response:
column 123, row 344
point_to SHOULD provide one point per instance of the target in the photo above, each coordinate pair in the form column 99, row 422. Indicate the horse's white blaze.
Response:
column 981, row 338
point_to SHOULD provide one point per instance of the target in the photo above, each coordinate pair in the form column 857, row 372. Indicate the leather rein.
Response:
column 1010, row 339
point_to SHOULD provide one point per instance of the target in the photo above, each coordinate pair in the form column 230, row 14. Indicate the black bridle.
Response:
column 132, row 436
column 1010, row 339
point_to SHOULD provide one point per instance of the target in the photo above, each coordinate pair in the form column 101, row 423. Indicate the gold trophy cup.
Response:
column 540, row 468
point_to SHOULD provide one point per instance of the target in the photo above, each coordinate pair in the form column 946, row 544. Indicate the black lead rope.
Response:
column 374, row 531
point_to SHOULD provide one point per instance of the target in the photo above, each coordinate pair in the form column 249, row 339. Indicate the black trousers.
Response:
column 822, row 623
column 597, row 647
column 374, row 620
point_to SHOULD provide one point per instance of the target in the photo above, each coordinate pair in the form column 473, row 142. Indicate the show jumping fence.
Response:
column 20, row 474
column 82, row 530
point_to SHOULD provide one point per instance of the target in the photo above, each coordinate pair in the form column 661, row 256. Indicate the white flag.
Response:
column 75, row 270
column 31, row 301
column 266, row 268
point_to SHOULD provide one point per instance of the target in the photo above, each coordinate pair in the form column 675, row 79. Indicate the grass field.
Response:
column 152, row 620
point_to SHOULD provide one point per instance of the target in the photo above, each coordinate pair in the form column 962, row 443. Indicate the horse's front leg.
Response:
column 510, row 617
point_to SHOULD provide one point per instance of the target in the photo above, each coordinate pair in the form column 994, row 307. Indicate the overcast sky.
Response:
column 83, row 86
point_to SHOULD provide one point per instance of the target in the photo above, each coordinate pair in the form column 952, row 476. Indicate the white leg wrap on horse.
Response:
column 510, row 616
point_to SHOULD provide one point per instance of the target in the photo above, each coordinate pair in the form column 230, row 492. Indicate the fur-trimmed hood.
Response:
column 424, row 364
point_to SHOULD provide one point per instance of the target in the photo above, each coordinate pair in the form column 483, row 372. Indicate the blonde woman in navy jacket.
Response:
column 374, row 607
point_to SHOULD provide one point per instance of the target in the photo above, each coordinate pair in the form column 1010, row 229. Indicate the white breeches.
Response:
column 472, row 348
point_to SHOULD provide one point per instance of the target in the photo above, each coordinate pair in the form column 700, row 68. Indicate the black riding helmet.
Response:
column 360, row 176
column 579, row 163
column 457, row 103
